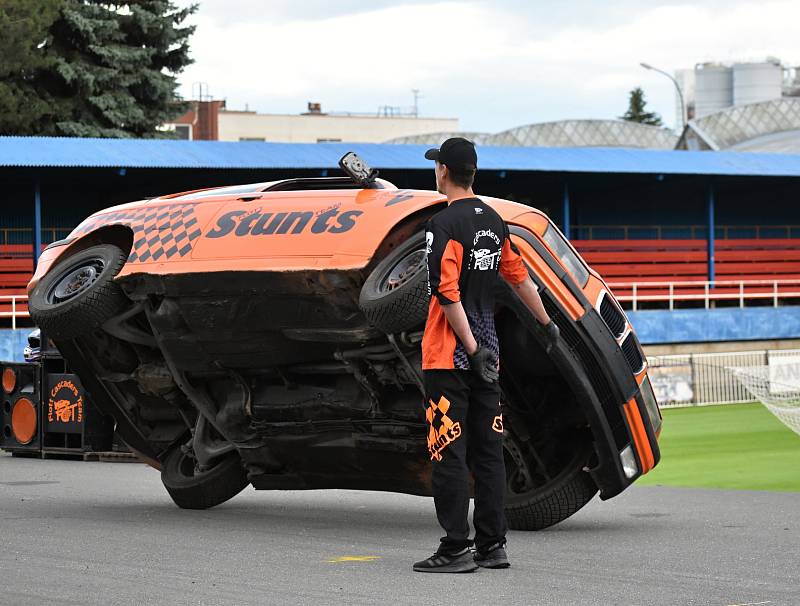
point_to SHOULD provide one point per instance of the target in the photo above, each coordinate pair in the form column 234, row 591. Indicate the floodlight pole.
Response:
column 677, row 87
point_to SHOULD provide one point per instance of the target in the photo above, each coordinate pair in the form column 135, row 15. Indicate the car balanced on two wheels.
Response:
column 269, row 334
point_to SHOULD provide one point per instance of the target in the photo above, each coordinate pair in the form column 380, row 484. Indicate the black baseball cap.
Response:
column 457, row 153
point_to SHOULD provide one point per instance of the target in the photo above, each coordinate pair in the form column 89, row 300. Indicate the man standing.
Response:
column 468, row 244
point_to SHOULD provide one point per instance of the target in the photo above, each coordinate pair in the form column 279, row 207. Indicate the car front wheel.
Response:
column 193, row 488
column 79, row 293
column 534, row 502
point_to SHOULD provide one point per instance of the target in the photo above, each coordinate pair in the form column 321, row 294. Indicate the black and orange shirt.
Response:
column 467, row 245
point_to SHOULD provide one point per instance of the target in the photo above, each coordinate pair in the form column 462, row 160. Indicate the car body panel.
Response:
column 329, row 236
column 293, row 230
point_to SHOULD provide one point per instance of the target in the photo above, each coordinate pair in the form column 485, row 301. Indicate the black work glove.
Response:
column 483, row 364
column 551, row 333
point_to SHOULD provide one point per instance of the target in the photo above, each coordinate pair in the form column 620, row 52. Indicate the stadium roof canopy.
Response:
column 39, row 152
column 563, row 133
column 768, row 126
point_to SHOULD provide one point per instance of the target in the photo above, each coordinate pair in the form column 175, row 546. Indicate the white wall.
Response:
column 234, row 126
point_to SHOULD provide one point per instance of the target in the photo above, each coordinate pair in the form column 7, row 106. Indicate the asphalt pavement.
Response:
column 107, row 533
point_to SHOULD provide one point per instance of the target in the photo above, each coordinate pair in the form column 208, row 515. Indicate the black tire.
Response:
column 201, row 490
column 552, row 503
column 392, row 301
column 79, row 293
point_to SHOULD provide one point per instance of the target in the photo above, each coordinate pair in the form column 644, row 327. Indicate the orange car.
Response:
column 269, row 334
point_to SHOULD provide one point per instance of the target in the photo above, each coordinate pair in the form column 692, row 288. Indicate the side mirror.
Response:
column 358, row 170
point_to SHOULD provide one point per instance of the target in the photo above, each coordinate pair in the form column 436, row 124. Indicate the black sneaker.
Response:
column 493, row 557
column 460, row 561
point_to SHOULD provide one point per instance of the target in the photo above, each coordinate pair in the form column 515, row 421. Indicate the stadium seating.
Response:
column 686, row 261
column 16, row 268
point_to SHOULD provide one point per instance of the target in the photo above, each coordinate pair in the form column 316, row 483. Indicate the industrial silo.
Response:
column 713, row 89
column 754, row 82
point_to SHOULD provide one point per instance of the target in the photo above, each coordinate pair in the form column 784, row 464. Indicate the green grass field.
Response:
column 740, row 446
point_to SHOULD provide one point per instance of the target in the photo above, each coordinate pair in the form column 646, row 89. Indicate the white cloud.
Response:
column 494, row 65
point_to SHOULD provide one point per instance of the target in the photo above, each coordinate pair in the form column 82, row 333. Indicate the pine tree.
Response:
column 23, row 36
column 113, row 67
column 637, row 112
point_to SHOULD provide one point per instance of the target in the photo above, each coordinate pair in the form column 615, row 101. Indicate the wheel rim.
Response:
column 188, row 467
column 522, row 478
column 74, row 280
column 518, row 475
column 404, row 270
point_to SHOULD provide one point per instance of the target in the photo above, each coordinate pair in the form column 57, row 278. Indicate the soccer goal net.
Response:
column 777, row 386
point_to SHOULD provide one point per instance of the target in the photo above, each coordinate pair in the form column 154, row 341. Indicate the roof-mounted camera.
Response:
column 358, row 170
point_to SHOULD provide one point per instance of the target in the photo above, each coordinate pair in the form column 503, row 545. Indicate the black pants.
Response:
column 465, row 433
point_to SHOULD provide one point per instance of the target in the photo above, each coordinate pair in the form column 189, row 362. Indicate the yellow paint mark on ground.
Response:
column 353, row 559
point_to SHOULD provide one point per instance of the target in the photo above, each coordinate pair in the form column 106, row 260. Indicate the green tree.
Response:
column 24, row 29
column 637, row 111
column 114, row 67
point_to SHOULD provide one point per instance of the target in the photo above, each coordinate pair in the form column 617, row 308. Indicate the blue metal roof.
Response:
column 150, row 153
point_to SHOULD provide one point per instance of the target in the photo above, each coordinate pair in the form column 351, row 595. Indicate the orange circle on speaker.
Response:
column 9, row 380
column 23, row 421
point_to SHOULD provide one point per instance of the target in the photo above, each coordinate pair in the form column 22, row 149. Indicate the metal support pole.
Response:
column 710, row 237
column 37, row 224
column 565, row 202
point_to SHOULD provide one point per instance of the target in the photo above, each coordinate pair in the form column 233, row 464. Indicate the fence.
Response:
column 678, row 380
column 24, row 235
column 698, row 379
column 739, row 291
column 668, row 232
column 14, row 307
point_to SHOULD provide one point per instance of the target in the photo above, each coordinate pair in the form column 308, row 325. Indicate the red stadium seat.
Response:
column 682, row 260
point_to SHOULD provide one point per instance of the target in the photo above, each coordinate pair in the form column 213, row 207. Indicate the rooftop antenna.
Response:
column 415, row 92
column 202, row 91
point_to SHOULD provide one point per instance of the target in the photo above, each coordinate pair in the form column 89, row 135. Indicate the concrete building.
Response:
column 709, row 88
column 212, row 121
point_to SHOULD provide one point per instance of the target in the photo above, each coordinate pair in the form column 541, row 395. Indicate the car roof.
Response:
column 297, row 184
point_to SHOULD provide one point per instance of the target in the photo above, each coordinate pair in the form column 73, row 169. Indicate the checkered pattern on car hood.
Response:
column 159, row 232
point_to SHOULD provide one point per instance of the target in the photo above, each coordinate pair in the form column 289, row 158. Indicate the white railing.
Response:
column 699, row 379
column 17, row 310
column 697, row 290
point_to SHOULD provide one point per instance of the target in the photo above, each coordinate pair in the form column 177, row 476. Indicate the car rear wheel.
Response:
column 533, row 502
column 79, row 293
column 395, row 295
column 192, row 488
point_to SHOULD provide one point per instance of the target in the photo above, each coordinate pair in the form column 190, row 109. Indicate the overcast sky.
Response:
column 492, row 64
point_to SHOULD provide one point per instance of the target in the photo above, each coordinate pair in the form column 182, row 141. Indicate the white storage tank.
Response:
column 754, row 82
column 713, row 89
